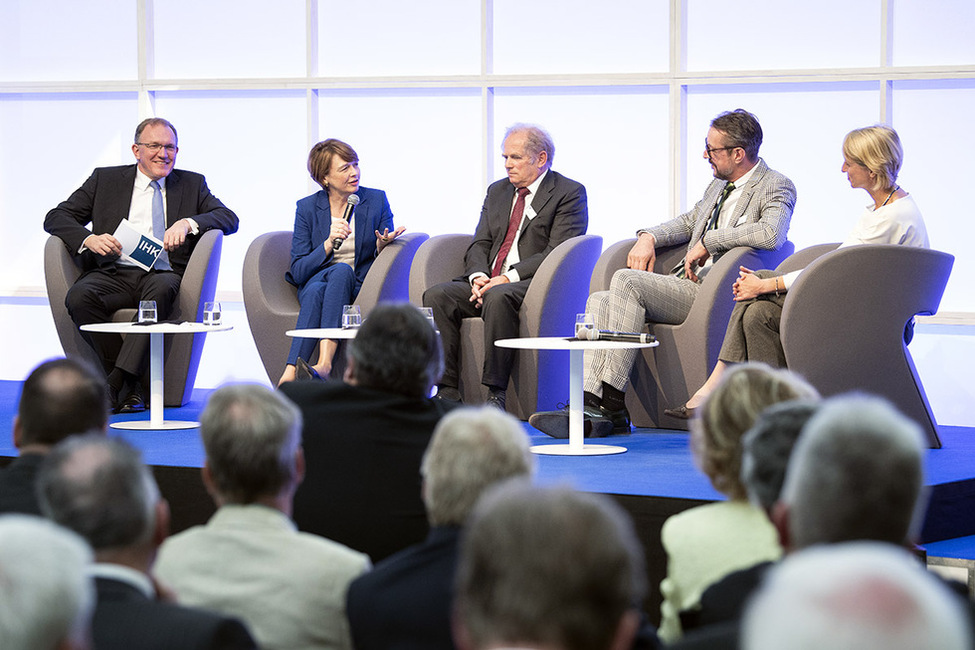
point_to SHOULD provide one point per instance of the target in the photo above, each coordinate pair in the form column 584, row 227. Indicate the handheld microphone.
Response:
column 611, row 335
column 347, row 215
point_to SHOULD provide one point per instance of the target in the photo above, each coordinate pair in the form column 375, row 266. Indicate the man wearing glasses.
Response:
column 747, row 204
column 174, row 206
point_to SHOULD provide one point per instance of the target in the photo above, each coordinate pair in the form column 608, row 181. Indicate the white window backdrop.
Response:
column 424, row 91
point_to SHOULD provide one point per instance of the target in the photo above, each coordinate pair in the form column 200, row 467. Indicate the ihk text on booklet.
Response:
column 141, row 249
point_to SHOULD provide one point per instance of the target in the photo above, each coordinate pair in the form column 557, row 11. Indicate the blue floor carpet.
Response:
column 658, row 461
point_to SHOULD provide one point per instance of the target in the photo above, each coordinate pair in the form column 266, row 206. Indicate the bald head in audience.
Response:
column 854, row 596
column 59, row 398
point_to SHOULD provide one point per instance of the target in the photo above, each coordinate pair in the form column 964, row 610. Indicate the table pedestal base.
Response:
column 149, row 425
column 584, row 450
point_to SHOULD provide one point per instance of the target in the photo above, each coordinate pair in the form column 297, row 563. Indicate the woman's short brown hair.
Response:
column 320, row 158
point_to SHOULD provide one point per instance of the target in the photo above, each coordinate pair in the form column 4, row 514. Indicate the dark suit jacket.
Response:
column 313, row 220
column 17, row 482
column 104, row 199
column 404, row 603
column 561, row 213
column 362, row 454
column 125, row 619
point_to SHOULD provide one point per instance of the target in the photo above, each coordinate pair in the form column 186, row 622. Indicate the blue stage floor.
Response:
column 657, row 463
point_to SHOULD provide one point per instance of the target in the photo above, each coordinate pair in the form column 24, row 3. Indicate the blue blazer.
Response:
column 313, row 221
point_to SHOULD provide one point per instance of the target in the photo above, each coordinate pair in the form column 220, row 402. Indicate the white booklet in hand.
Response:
column 142, row 250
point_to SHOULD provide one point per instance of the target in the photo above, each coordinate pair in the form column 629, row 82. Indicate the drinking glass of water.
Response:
column 211, row 313
column 351, row 317
column 147, row 311
column 584, row 324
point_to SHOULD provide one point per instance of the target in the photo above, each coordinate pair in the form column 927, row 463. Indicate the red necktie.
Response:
column 509, row 237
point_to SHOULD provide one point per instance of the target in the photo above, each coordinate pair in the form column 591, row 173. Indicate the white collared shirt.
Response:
column 124, row 574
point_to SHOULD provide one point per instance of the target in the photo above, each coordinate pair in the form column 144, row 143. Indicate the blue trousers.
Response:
column 321, row 300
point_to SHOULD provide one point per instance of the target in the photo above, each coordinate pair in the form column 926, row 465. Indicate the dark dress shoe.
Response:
column 134, row 402
column 497, row 399
column 304, row 372
column 681, row 412
column 596, row 422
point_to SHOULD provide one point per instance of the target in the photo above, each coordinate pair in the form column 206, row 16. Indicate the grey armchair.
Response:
column 182, row 352
column 271, row 303
column 539, row 379
column 844, row 319
column 667, row 375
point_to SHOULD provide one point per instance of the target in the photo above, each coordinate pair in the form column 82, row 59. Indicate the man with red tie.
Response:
column 523, row 219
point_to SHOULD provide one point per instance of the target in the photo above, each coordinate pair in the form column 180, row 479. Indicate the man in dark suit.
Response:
column 99, row 488
column 59, row 398
column 364, row 437
column 405, row 601
column 523, row 219
column 173, row 205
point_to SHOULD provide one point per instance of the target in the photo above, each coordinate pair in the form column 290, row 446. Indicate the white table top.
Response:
column 334, row 333
column 566, row 343
column 158, row 328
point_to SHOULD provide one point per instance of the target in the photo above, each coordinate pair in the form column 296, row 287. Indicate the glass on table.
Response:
column 351, row 317
column 147, row 311
column 212, row 314
column 585, row 323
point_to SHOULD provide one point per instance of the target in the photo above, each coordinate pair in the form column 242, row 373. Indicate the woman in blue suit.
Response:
column 327, row 275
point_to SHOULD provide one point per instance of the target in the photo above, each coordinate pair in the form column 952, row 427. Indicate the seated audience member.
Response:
column 330, row 256
column 706, row 543
column 59, row 398
column 871, row 160
column 766, row 449
column 747, row 204
column 364, row 437
column 856, row 473
column 249, row 560
column 548, row 568
column 405, row 601
column 153, row 198
column 854, row 596
column 47, row 596
column 99, row 488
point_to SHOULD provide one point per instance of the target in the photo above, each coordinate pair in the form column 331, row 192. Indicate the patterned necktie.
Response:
column 159, row 225
column 516, row 216
column 679, row 270
column 713, row 223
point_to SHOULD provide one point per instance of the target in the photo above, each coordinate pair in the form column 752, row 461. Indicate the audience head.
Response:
column 741, row 129
column 48, row 597
column 59, row 398
column 878, row 148
column 730, row 410
column 396, row 350
column 855, row 596
column 99, row 487
column 548, row 567
column 321, row 156
column 767, row 446
column 252, row 438
column 471, row 450
column 856, row 473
